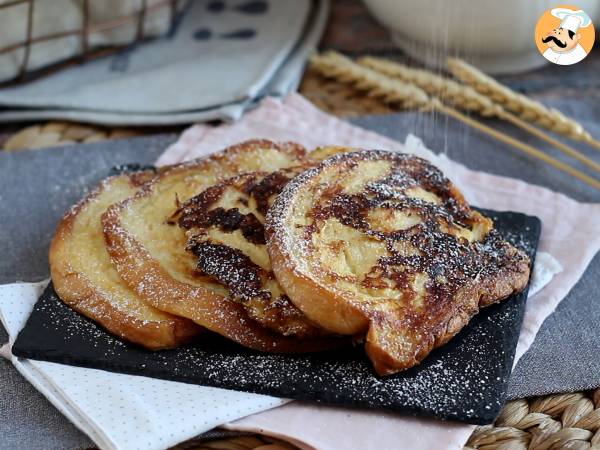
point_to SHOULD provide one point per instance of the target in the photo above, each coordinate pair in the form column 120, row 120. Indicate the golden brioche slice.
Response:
column 225, row 230
column 382, row 245
column 84, row 278
column 149, row 253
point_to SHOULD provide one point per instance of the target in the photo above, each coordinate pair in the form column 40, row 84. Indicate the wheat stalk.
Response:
column 446, row 89
column 333, row 65
column 526, row 108
column 465, row 98
column 526, row 148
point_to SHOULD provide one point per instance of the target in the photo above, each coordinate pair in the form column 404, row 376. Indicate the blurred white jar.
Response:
column 496, row 35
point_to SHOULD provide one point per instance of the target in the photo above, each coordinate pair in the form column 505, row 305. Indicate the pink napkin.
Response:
column 567, row 225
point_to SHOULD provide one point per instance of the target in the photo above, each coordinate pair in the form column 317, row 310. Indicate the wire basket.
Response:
column 90, row 34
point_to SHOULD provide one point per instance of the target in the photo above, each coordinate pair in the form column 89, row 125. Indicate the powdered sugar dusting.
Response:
column 465, row 380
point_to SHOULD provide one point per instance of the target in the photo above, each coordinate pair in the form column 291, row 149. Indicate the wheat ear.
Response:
column 334, row 65
column 467, row 99
column 526, row 108
column 447, row 90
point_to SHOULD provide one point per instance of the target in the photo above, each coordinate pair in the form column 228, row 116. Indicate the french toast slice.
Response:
column 382, row 245
column 148, row 249
column 85, row 279
column 225, row 229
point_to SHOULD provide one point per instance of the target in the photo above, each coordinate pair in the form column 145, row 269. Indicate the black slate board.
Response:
column 465, row 380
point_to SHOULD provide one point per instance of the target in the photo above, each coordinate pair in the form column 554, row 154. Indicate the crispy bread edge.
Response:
column 348, row 318
column 302, row 290
column 468, row 303
column 344, row 317
column 83, row 297
column 289, row 147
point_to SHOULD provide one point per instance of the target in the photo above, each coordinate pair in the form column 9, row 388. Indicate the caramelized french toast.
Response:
column 382, row 245
column 225, row 229
column 149, row 250
column 84, row 278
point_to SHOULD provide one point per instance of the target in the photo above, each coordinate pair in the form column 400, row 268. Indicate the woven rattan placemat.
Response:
column 542, row 423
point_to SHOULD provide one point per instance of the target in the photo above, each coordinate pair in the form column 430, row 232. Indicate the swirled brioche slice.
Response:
column 149, row 253
column 382, row 245
column 225, row 229
column 85, row 279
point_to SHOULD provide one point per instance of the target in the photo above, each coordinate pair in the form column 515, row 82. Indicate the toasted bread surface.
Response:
column 148, row 249
column 382, row 245
column 85, row 279
column 322, row 153
column 225, row 229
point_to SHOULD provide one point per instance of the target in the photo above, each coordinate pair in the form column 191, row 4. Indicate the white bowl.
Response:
column 496, row 35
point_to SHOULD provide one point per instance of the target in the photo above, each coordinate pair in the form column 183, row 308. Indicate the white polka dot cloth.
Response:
column 123, row 411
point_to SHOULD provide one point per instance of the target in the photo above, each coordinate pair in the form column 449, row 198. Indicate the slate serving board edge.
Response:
column 27, row 347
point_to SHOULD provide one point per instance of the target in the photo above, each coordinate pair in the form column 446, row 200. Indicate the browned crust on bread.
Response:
column 152, row 282
column 238, row 222
column 228, row 156
column 338, row 311
column 468, row 303
column 76, row 290
column 322, row 153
